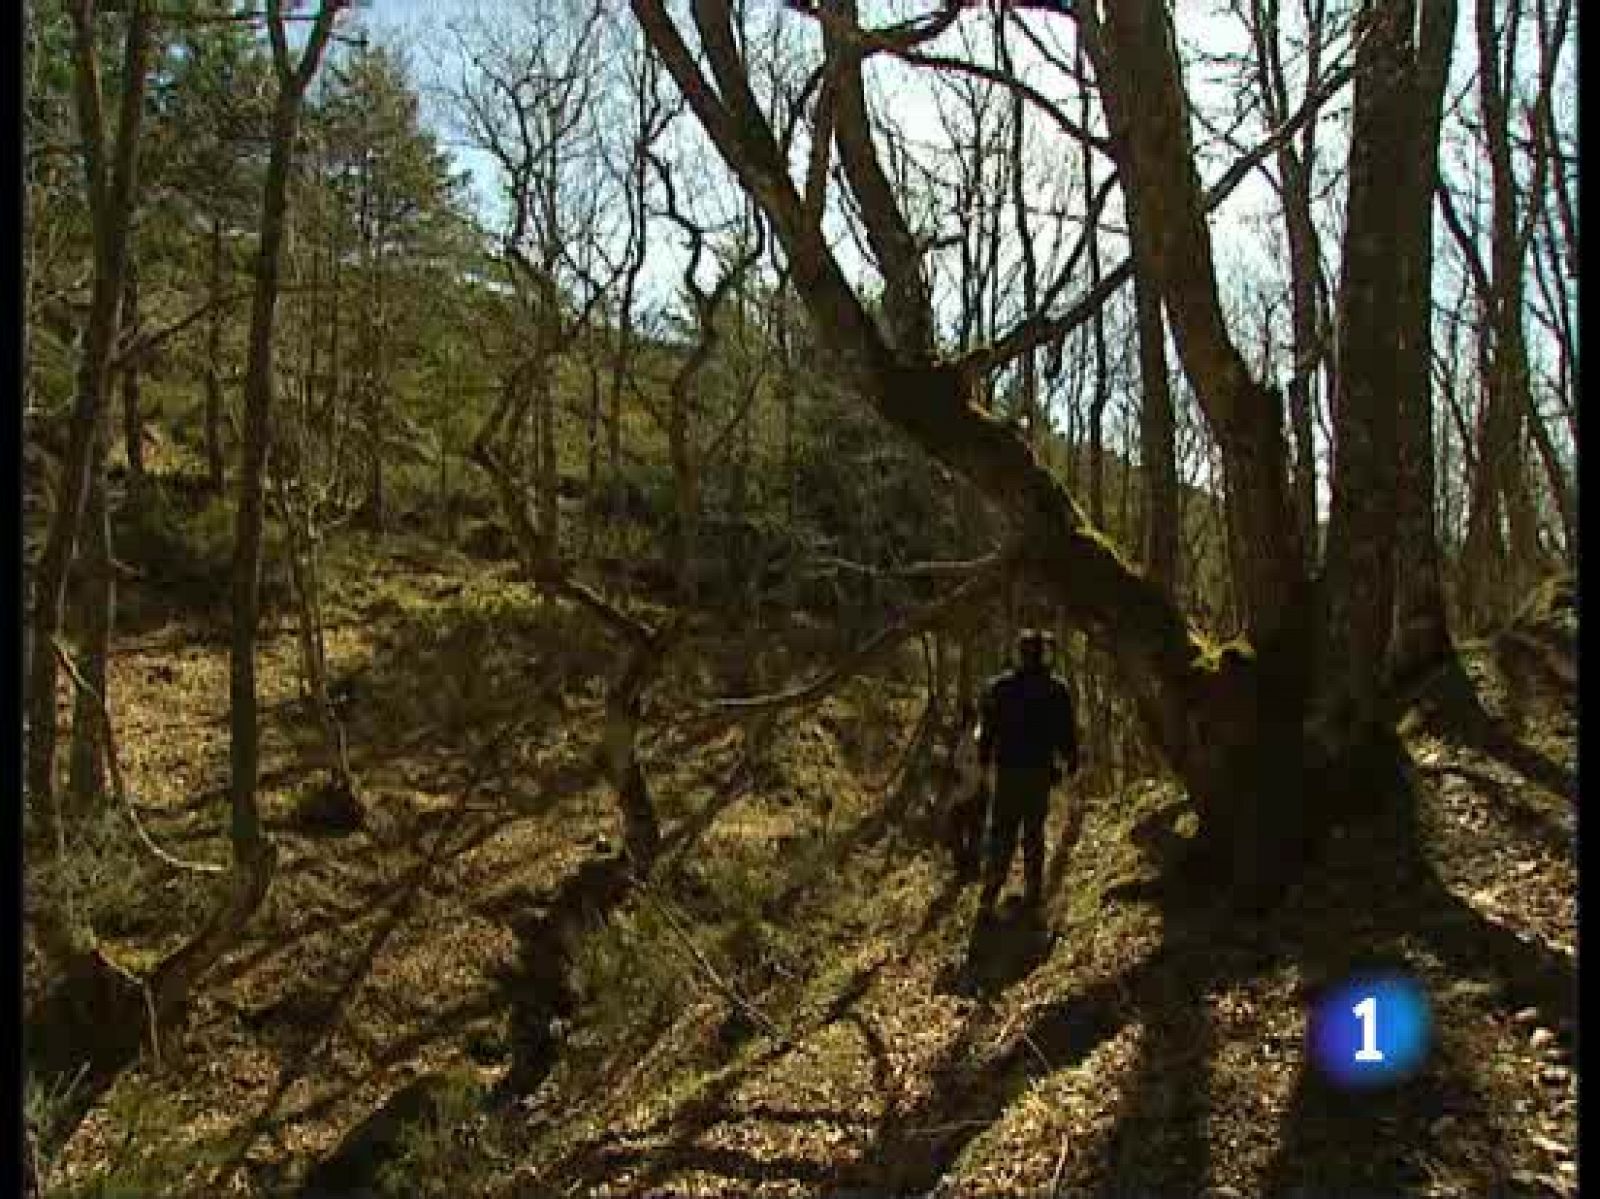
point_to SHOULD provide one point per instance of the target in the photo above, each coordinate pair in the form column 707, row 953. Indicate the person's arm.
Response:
column 988, row 714
column 1069, row 730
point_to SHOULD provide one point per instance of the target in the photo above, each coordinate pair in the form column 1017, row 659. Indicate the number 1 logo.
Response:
column 1367, row 1012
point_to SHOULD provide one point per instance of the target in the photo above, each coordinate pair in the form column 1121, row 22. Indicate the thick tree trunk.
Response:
column 112, row 190
column 1421, row 632
column 1136, row 61
column 1376, row 324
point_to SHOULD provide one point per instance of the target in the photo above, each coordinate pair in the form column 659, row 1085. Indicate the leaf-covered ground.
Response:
column 800, row 1005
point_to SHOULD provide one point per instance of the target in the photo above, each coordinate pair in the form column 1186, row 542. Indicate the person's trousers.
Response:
column 1021, row 800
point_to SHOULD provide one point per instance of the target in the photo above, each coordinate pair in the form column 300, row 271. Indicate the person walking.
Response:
column 1027, row 727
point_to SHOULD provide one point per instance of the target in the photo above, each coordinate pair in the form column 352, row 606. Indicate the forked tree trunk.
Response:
column 1231, row 724
column 92, row 1024
column 1135, row 57
column 112, row 187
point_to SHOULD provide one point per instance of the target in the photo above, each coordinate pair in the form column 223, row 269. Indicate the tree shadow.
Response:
column 1364, row 911
column 1002, row 949
column 536, row 988
column 353, row 1168
column 1456, row 713
column 1554, row 833
column 1160, row 1144
column 1071, row 831
column 592, row 1163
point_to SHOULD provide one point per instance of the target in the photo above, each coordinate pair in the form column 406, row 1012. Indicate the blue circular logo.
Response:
column 1371, row 1031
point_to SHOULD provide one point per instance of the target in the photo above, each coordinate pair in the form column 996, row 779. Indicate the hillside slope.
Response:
column 450, row 1001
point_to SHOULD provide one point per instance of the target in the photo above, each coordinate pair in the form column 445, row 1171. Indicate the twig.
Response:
column 1061, row 1164
column 114, row 766
column 929, row 616
column 722, row 985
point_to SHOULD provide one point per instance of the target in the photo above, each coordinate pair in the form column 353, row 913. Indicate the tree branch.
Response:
column 929, row 616
column 114, row 767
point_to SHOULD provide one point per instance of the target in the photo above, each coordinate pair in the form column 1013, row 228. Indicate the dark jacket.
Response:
column 1027, row 720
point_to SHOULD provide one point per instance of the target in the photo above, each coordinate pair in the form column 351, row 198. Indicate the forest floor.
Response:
column 799, row 1006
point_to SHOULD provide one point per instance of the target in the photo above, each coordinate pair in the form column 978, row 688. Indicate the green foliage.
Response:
column 444, row 1153
column 147, row 1156
column 629, row 976
column 481, row 655
column 111, row 884
column 183, row 545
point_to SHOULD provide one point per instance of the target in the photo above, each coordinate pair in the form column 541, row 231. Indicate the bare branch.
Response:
column 114, row 767
column 930, row 616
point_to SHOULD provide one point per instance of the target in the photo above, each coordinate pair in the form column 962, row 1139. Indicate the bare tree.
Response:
column 1502, row 554
column 1224, row 721
column 1296, row 162
column 532, row 111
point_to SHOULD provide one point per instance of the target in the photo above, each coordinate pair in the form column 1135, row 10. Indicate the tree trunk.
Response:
column 1376, row 325
column 1500, row 563
column 1561, row 490
column 1158, row 457
column 132, row 417
column 112, row 196
column 1421, row 631
column 641, row 829
column 547, row 479
column 96, row 599
column 1304, row 267
column 1135, row 58
column 216, row 460
column 249, row 522
column 686, row 501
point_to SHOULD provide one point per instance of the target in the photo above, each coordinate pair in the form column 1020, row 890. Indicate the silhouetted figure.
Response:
column 1027, row 723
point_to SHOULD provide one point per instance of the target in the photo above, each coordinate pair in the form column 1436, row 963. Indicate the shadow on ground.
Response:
column 1371, row 900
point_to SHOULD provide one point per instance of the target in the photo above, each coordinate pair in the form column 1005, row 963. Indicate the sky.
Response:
column 421, row 26
column 1245, row 230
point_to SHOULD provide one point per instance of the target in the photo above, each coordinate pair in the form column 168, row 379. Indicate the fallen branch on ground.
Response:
column 723, row 987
